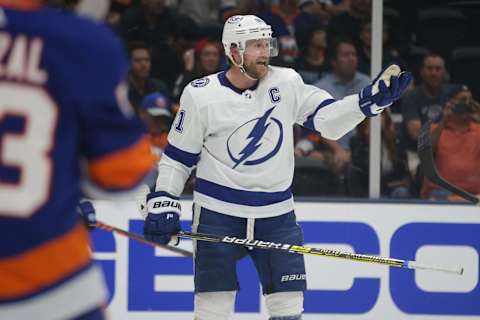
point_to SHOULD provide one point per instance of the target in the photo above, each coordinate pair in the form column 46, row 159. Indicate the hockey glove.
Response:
column 87, row 212
column 163, row 218
column 387, row 88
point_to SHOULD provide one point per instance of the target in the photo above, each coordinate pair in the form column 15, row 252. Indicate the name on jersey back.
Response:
column 20, row 58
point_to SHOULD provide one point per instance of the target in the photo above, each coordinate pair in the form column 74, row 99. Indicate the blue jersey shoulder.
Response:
column 85, row 55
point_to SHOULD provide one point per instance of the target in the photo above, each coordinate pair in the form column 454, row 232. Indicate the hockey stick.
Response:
column 427, row 163
column 258, row 244
column 140, row 238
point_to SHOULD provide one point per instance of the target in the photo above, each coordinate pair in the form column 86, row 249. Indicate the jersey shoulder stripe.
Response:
column 188, row 159
column 110, row 172
column 48, row 260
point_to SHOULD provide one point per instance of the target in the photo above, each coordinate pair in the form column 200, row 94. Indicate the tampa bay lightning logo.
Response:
column 202, row 82
column 235, row 19
column 255, row 141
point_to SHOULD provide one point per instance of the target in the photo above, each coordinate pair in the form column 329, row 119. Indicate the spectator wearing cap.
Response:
column 206, row 58
column 139, row 81
column 155, row 111
column 456, row 145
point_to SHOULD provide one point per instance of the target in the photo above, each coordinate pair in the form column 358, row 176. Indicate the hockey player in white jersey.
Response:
column 236, row 127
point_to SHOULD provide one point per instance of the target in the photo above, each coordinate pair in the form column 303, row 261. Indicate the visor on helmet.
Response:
column 268, row 46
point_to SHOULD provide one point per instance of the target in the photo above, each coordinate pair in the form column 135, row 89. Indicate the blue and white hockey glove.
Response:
column 163, row 218
column 87, row 212
column 387, row 88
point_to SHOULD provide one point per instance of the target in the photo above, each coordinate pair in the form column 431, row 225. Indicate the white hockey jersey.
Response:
column 242, row 141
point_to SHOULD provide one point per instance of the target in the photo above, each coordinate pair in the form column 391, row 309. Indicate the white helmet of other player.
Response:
column 239, row 30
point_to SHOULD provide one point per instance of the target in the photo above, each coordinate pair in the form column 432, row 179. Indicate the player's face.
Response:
column 257, row 57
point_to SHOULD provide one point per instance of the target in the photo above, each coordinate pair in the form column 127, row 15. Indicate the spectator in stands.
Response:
column 313, row 146
column 139, row 81
column 155, row 111
column 390, row 53
column 288, row 11
column 342, row 81
column 336, row 7
column 311, row 63
column 395, row 177
column 205, row 13
column 311, row 12
column 427, row 100
column 456, row 145
column 164, row 31
column 319, row 12
column 204, row 59
column 348, row 24
column 117, row 8
column 157, row 115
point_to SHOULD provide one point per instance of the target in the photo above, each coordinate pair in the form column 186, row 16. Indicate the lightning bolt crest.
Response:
column 255, row 136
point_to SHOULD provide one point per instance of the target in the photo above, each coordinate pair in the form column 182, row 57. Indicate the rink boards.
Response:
column 147, row 283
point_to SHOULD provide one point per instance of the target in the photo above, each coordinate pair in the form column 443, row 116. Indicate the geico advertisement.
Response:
column 150, row 283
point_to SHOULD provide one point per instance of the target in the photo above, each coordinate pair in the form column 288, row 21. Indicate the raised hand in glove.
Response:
column 387, row 88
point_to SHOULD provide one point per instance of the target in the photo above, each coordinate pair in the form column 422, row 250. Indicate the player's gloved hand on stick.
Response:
column 163, row 218
column 87, row 212
column 385, row 89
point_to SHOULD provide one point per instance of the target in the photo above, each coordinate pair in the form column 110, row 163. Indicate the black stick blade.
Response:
column 427, row 162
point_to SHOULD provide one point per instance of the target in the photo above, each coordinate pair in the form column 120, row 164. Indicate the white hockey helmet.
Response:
column 237, row 30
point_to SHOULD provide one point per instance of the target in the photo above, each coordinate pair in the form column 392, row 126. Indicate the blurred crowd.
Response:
column 328, row 42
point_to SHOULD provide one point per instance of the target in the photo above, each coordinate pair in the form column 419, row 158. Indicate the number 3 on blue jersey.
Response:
column 28, row 118
column 179, row 122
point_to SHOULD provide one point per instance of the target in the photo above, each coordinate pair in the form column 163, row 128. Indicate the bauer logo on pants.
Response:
column 293, row 277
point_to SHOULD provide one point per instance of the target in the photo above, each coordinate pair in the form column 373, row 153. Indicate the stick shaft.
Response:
column 280, row 247
column 316, row 251
column 140, row 238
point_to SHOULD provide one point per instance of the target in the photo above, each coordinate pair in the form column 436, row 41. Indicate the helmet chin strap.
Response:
column 245, row 72
column 242, row 69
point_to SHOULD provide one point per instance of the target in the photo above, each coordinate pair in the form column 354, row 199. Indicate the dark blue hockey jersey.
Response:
column 63, row 107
